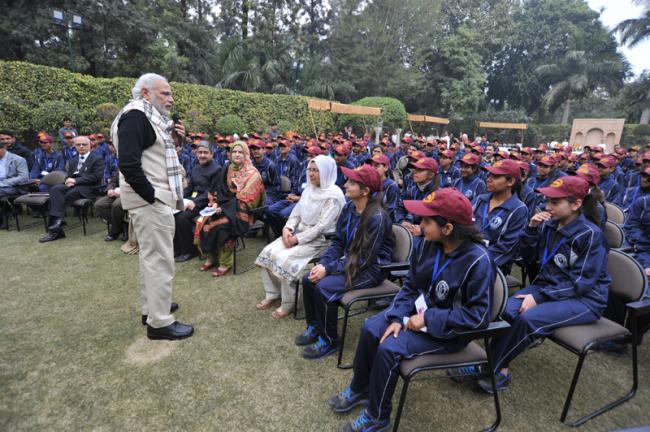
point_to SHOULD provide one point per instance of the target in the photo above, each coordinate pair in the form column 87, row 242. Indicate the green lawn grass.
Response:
column 75, row 357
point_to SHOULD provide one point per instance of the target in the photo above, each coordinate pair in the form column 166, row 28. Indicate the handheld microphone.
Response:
column 176, row 118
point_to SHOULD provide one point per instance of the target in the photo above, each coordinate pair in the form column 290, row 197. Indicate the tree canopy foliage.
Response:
column 453, row 58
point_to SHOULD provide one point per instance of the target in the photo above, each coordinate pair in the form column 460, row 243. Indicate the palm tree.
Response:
column 635, row 30
column 577, row 75
column 242, row 69
column 634, row 99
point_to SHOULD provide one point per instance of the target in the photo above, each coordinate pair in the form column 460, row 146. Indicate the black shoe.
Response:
column 110, row 238
column 57, row 225
column 51, row 236
column 185, row 257
column 172, row 309
column 174, row 331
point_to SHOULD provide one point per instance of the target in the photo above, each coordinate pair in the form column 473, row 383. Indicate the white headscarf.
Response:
column 312, row 198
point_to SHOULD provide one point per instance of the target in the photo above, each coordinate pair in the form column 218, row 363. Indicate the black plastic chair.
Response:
column 630, row 283
column 472, row 355
column 240, row 241
column 387, row 289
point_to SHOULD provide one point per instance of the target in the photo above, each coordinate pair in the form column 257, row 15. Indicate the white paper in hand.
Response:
column 208, row 211
column 420, row 307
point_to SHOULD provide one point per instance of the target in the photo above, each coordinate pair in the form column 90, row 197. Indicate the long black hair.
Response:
column 461, row 232
column 361, row 242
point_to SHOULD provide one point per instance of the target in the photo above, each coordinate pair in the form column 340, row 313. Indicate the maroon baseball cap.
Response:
column 547, row 160
column 608, row 161
column 568, row 186
column 524, row 166
column 314, row 150
column 448, row 153
column 426, row 163
column 449, row 203
column 380, row 159
column 589, row 173
column 505, row 167
column 417, row 155
column 646, row 171
column 256, row 143
column 45, row 138
column 366, row 175
column 645, row 157
column 341, row 150
column 470, row 159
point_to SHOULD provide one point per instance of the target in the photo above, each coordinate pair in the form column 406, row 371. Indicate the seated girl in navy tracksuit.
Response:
column 453, row 274
column 470, row 184
column 364, row 241
column 500, row 215
column 572, row 284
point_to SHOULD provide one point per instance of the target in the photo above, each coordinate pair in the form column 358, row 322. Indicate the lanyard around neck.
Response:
column 547, row 256
column 437, row 270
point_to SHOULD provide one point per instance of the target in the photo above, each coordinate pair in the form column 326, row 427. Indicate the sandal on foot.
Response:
column 267, row 304
column 279, row 313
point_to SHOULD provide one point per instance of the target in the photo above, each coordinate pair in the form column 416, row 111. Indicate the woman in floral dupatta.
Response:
column 232, row 194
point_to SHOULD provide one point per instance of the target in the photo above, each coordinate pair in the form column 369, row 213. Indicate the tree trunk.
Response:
column 244, row 19
column 567, row 110
column 645, row 114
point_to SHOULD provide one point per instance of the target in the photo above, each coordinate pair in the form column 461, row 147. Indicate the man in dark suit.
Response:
column 195, row 199
column 85, row 172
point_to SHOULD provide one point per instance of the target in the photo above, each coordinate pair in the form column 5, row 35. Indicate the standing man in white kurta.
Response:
column 151, row 188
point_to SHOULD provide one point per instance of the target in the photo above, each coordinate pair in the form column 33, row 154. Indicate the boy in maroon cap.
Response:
column 425, row 181
column 470, row 184
column 341, row 153
column 611, row 188
column 447, row 288
column 363, row 242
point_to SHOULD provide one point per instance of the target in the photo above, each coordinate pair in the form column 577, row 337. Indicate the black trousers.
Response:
column 184, row 234
column 61, row 197
column 111, row 209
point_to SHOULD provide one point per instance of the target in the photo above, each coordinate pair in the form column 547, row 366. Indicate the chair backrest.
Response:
column 285, row 184
column 614, row 235
column 499, row 296
column 614, row 213
column 628, row 277
column 403, row 243
column 54, row 178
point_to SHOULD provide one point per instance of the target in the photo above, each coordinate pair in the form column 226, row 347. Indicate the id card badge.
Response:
column 195, row 194
column 421, row 304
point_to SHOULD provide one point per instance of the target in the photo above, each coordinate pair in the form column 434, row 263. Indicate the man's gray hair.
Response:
column 145, row 81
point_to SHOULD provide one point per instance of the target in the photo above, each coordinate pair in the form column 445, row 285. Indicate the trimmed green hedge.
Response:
column 25, row 87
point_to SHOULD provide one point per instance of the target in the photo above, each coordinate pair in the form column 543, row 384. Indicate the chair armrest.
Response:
column 496, row 328
column 639, row 308
column 395, row 266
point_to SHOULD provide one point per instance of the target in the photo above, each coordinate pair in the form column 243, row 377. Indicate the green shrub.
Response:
column 14, row 114
column 642, row 130
column 285, row 126
column 231, row 124
column 48, row 116
column 393, row 113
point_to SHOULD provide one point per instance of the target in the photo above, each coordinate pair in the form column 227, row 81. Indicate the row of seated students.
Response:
column 460, row 240
column 451, row 272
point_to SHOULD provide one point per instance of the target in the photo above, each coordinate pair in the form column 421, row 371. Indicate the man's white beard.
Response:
column 159, row 106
